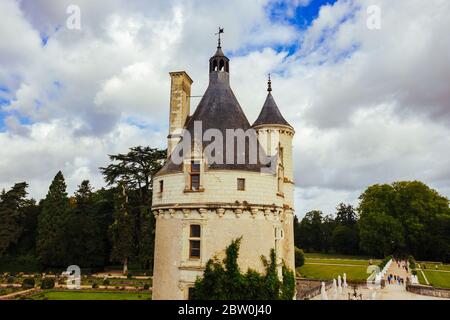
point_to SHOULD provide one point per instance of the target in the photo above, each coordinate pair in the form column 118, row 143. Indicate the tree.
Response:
column 406, row 216
column 50, row 244
column 380, row 234
column 122, row 230
column 299, row 257
column 83, row 235
column 345, row 236
column 135, row 170
column 310, row 232
column 12, row 216
column 223, row 280
column 346, row 239
column 346, row 215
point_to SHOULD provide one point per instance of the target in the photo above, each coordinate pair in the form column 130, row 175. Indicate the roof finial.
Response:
column 269, row 84
column 218, row 33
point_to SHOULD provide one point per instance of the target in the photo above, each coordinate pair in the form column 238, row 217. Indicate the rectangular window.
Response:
column 241, row 184
column 195, row 166
column 161, row 186
column 195, row 231
column 194, row 250
column 190, row 293
column 195, row 182
column 194, row 241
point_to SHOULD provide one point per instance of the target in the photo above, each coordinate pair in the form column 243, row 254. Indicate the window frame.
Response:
column 238, row 184
column 195, row 239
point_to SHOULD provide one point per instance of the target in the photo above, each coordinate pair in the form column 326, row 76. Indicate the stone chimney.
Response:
column 180, row 92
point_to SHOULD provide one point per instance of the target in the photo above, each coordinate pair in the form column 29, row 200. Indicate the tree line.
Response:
column 94, row 228
column 403, row 218
column 90, row 229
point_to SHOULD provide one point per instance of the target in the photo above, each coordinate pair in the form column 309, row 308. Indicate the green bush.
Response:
column 106, row 282
column 28, row 283
column 384, row 262
column 146, row 286
column 299, row 257
column 95, row 285
column 129, row 275
column 412, row 262
column 47, row 283
column 10, row 279
column 223, row 280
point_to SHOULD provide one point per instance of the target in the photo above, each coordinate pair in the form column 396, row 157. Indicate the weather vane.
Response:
column 218, row 33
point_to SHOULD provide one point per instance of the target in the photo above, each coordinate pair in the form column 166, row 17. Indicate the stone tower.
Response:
column 201, row 204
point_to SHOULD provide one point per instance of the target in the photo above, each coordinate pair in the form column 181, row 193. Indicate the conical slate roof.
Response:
column 220, row 110
column 270, row 114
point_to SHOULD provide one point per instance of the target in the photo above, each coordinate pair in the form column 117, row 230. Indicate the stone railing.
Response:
column 310, row 288
column 376, row 278
column 428, row 291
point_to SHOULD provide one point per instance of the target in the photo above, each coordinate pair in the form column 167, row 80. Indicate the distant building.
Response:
column 201, row 206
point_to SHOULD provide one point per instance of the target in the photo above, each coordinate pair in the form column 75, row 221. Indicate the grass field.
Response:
column 421, row 278
column 335, row 256
column 330, row 266
column 91, row 295
column 325, row 272
column 432, row 266
column 340, row 261
column 437, row 279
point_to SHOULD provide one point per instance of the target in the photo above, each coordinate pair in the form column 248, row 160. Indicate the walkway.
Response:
column 389, row 292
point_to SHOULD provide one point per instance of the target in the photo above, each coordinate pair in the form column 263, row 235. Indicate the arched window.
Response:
column 214, row 65
column 227, row 67
column 221, row 65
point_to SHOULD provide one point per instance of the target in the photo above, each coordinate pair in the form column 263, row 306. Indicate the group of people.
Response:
column 402, row 264
column 394, row 279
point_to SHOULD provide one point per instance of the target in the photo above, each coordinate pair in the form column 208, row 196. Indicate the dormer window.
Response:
column 195, row 175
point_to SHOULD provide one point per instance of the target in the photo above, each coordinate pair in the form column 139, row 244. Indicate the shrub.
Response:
column 47, row 283
column 384, row 262
column 129, row 275
column 223, row 280
column 10, row 279
column 106, row 282
column 414, row 272
column 95, row 285
column 299, row 257
column 412, row 262
column 146, row 286
column 28, row 283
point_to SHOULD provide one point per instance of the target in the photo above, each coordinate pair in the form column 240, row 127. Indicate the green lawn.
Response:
column 325, row 272
column 91, row 295
column 335, row 256
column 432, row 266
column 421, row 278
column 341, row 261
column 438, row 279
column 330, row 266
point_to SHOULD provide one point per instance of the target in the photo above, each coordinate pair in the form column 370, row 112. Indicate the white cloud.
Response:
column 367, row 106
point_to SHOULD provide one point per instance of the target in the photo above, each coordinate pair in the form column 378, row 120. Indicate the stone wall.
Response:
column 428, row 291
column 310, row 288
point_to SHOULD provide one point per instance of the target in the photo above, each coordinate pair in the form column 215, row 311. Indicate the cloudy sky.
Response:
column 368, row 105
